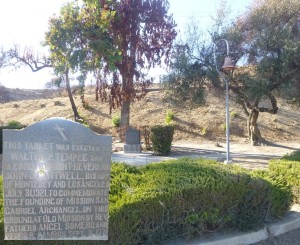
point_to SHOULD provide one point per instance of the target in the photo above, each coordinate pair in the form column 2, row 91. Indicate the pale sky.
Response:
column 24, row 22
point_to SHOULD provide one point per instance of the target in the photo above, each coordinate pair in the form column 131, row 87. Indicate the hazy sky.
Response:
column 24, row 22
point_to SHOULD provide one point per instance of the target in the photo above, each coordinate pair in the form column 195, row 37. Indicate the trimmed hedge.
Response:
column 288, row 171
column 162, row 137
column 281, row 192
column 184, row 198
column 294, row 156
column 188, row 197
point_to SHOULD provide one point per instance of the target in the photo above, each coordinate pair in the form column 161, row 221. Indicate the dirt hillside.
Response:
column 206, row 123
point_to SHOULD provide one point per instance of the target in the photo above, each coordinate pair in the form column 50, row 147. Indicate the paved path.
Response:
column 252, row 157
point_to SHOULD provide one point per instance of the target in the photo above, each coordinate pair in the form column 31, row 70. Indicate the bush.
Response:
column 204, row 131
column 289, row 171
column 294, row 156
column 13, row 124
column 185, row 198
column 234, row 114
column 162, row 137
column 281, row 192
column 169, row 117
column 116, row 120
column 145, row 133
column 223, row 126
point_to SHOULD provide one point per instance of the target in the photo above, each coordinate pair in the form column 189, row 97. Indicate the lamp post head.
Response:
column 228, row 64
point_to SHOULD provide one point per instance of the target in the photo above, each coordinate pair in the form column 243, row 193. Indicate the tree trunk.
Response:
column 125, row 113
column 97, row 90
column 253, row 131
column 128, row 94
column 74, row 108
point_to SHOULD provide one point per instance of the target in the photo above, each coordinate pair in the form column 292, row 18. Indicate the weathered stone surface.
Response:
column 56, row 182
column 132, row 141
column 132, row 137
column 132, row 148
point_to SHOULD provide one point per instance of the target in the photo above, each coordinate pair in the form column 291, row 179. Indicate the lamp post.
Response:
column 228, row 66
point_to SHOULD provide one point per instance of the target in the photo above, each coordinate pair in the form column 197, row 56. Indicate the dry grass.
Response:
column 205, row 123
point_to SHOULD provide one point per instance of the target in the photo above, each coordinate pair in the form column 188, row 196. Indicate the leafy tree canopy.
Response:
column 264, row 41
column 119, row 40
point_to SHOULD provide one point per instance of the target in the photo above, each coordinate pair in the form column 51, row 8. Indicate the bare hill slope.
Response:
column 206, row 123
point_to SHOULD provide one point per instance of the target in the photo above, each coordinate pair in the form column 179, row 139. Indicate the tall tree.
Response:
column 67, row 51
column 268, row 34
column 118, row 40
column 189, row 68
column 142, row 33
column 266, row 41
column 36, row 62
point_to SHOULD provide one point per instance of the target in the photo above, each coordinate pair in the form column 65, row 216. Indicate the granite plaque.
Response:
column 56, row 182
column 132, row 136
column 132, row 141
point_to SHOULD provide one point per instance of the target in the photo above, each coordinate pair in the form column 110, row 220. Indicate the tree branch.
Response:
column 34, row 61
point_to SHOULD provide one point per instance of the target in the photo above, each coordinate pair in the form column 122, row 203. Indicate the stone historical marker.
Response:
column 132, row 141
column 56, row 182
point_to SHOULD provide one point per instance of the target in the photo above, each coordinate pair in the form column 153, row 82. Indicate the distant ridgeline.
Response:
column 9, row 94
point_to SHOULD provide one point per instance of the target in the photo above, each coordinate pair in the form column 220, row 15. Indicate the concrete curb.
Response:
column 291, row 221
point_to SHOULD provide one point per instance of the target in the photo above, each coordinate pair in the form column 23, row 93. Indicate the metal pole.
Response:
column 227, row 125
column 227, row 100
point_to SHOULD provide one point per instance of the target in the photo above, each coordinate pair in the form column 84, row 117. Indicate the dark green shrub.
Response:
column 185, row 198
column 281, row 192
column 162, row 137
column 14, row 124
column 289, row 171
column 145, row 134
column 294, row 156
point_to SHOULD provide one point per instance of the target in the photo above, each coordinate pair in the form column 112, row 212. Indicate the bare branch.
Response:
column 35, row 61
